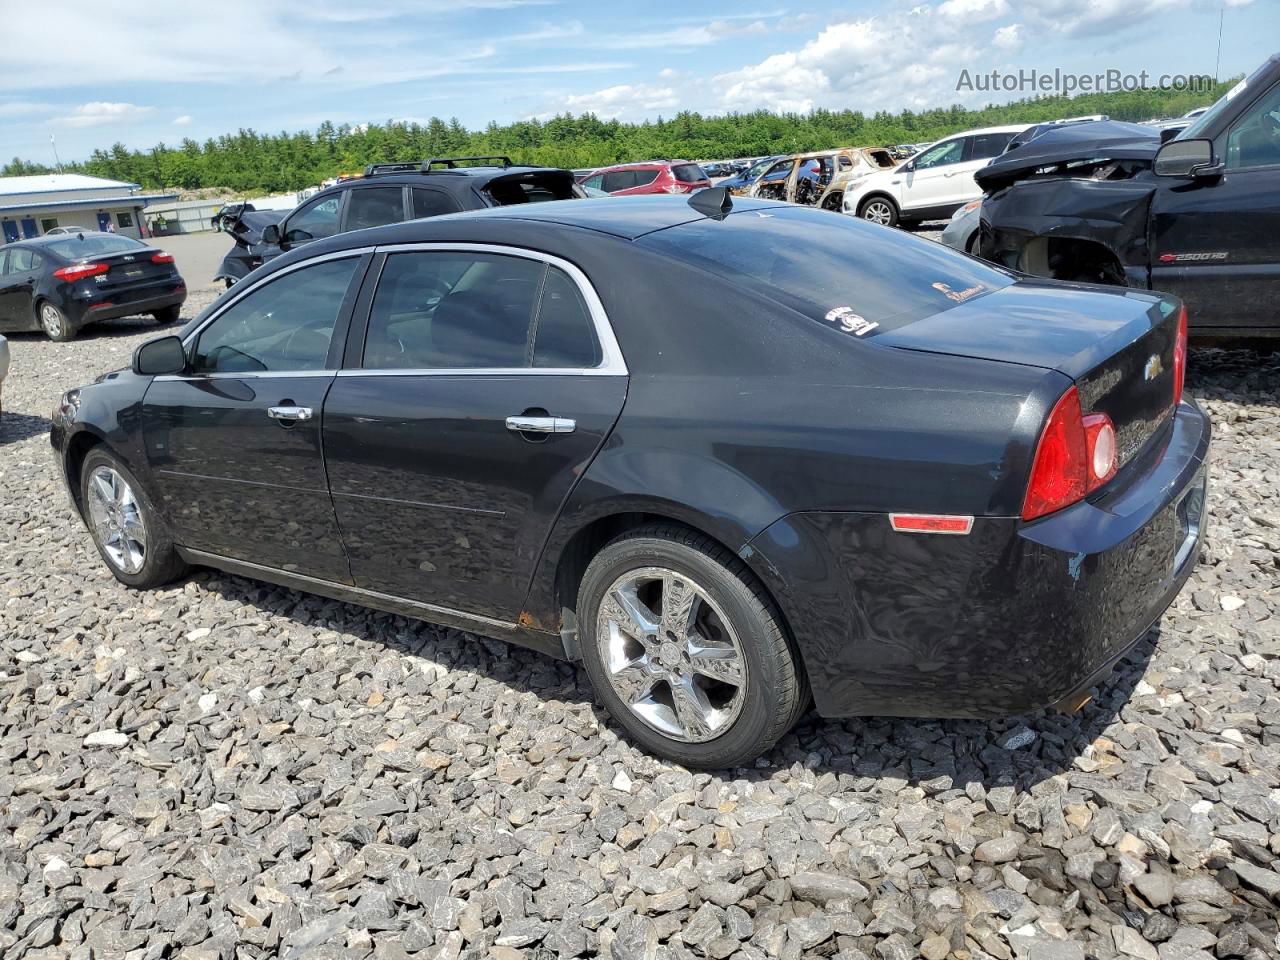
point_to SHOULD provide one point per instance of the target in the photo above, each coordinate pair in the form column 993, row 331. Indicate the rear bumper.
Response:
column 1007, row 620
column 126, row 303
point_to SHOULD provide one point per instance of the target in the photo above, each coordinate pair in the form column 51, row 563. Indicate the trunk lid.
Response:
column 1116, row 344
column 136, row 266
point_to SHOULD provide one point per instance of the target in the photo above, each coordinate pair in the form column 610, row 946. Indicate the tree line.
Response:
column 248, row 161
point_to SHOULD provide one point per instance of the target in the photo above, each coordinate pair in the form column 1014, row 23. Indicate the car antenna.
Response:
column 713, row 202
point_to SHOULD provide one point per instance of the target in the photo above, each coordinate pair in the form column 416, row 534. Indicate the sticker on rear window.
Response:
column 850, row 322
column 959, row 296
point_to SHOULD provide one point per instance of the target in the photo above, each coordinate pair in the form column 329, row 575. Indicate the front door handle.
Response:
column 289, row 414
column 541, row 425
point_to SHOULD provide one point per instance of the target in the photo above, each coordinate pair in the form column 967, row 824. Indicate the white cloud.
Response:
column 625, row 101
column 1008, row 37
column 974, row 11
column 1079, row 18
column 182, row 121
column 97, row 112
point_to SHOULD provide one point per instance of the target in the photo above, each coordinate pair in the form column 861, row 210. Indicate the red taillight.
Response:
column 79, row 271
column 1180, row 357
column 1076, row 455
column 162, row 258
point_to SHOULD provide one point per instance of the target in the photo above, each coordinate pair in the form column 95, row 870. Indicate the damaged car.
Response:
column 389, row 193
column 819, row 179
column 1196, row 215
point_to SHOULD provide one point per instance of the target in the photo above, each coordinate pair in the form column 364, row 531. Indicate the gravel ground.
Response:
column 227, row 769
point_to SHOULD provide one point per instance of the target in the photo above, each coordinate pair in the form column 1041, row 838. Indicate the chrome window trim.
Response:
column 611, row 364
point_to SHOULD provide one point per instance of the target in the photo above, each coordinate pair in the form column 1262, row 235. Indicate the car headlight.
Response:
column 66, row 408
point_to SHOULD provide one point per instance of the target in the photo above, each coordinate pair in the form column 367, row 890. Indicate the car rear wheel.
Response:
column 879, row 210
column 124, row 524
column 54, row 323
column 685, row 649
column 169, row 315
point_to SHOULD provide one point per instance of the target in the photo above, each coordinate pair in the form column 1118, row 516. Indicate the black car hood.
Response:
column 248, row 227
column 1102, row 140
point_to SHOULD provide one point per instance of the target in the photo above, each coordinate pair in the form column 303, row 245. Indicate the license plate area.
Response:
column 133, row 272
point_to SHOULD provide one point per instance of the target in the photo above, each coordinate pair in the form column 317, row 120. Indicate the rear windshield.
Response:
column 532, row 187
column 101, row 245
column 855, row 277
column 688, row 173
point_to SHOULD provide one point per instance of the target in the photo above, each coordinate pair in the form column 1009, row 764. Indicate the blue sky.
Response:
column 161, row 73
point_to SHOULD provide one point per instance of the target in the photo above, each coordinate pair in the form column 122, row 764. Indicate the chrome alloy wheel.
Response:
column 671, row 655
column 116, row 518
column 878, row 211
column 51, row 320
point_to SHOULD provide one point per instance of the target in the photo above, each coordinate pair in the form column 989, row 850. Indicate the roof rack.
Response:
column 373, row 169
column 452, row 163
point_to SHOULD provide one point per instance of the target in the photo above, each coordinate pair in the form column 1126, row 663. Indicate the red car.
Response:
column 635, row 179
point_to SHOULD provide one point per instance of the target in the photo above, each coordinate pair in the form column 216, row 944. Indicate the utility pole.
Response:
column 56, row 162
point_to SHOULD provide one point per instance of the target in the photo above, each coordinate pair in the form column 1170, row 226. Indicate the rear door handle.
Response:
column 541, row 425
column 289, row 414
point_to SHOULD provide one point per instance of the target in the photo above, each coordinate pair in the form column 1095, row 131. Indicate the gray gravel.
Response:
column 227, row 769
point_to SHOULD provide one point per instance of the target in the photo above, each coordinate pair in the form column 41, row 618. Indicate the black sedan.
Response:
column 731, row 459
column 59, row 283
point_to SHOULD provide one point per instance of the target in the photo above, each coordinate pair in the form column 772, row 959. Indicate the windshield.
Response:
column 758, row 169
column 1201, row 122
column 76, row 248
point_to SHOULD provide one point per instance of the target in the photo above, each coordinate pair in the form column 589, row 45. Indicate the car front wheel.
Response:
column 124, row 524
column 686, row 650
column 880, row 210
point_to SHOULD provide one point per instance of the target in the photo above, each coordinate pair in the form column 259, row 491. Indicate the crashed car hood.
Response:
column 248, row 227
column 1104, row 139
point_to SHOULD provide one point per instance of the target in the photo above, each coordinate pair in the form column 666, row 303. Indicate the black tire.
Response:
column 776, row 692
column 160, row 562
column 879, row 209
column 169, row 315
column 54, row 322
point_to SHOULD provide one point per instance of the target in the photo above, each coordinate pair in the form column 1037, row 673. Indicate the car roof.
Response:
column 639, row 165
column 435, row 177
column 1007, row 128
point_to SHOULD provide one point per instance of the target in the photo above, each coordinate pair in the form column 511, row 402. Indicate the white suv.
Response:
column 933, row 184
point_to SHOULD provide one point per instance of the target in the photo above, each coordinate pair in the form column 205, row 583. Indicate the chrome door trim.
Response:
column 611, row 363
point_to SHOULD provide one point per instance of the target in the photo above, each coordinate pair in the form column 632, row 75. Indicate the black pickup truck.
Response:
column 1197, row 216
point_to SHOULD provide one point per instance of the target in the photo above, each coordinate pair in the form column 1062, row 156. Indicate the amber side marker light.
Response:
column 930, row 523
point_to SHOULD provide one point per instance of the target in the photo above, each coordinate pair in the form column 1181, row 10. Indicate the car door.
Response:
column 1217, row 240
column 20, row 268
column 982, row 148
column 930, row 182
column 233, row 444
column 485, row 382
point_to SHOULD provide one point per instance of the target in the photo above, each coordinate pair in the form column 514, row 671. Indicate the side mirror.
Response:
column 158, row 357
column 1186, row 158
column 271, row 234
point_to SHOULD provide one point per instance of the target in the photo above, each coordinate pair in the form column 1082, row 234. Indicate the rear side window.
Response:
column 432, row 203
column 438, row 310
column 564, row 335
column 688, row 173
column 848, row 275
column 22, row 260
column 988, row 145
column 375, row 206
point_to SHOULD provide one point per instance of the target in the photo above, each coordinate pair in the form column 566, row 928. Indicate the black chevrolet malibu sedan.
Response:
column 731, row 460
column 58, row 283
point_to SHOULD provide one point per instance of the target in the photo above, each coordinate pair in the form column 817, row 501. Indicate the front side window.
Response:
column 941, row 154
column 375, row 207
column 616, row 180
column 1254, row 139
column 314, row 222
column 285, row 324
column 594, row 181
